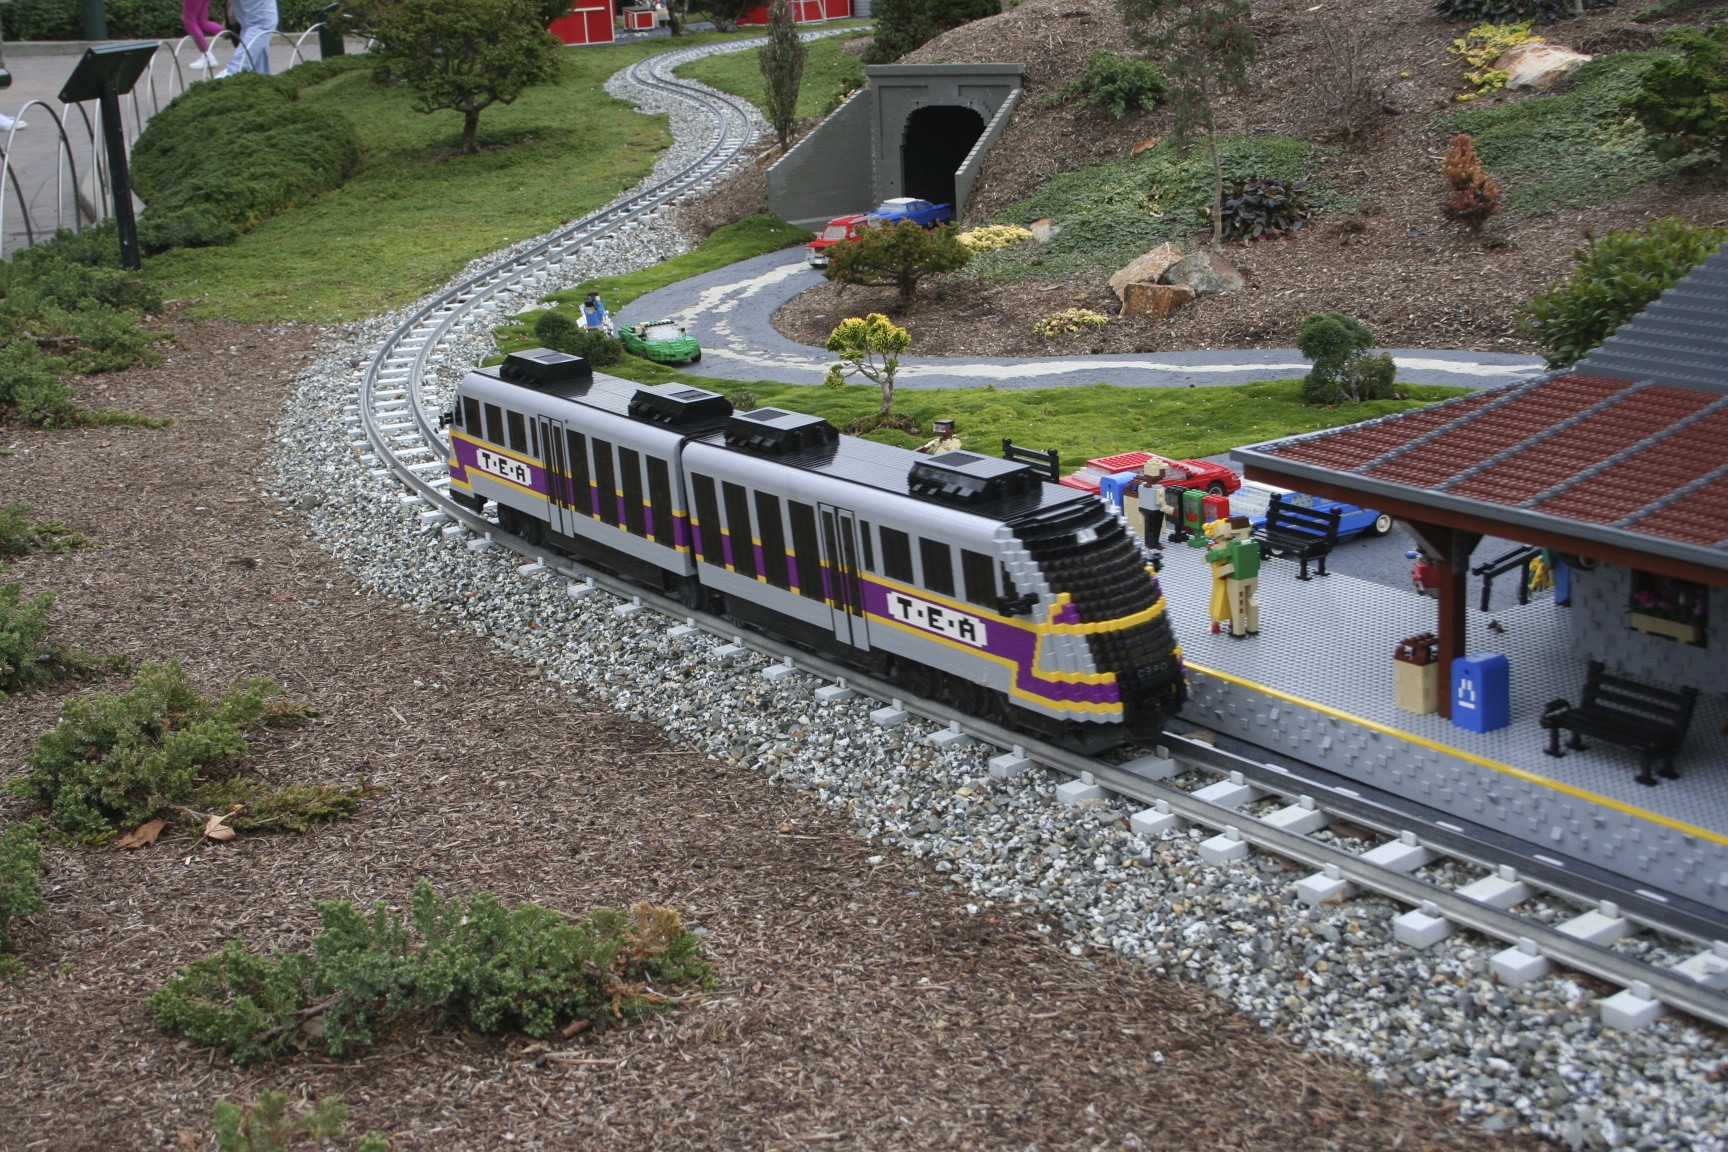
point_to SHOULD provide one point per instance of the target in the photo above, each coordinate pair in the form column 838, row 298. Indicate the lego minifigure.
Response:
column 594, row 313
column 1235, row 558
column 945, row 440
column 1151, row 504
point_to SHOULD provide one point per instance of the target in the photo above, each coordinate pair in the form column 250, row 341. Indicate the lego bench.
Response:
column 1651, row 721
column 1298, row 533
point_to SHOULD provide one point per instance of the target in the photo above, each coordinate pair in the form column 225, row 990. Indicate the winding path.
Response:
column 730, row 312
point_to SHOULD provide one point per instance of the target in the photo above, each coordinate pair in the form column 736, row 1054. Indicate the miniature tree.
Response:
column 870, row 348
column 1343, row 370
column 901, row 26
column 465, row 55
column 897, row 257
column 1473, row 195
column 1207, row 46
column 725, row 14
column 782, row 64
column 1682, row 100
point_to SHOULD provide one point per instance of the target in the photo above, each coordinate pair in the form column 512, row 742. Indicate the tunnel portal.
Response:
column 937, row 141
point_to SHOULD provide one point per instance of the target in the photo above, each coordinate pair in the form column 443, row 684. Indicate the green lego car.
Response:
column 662, row 341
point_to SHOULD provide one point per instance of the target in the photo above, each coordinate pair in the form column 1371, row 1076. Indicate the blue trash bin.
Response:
column 1111, row 487
column 1481, row 692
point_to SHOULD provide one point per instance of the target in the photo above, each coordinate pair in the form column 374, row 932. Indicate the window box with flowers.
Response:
column 1665, row 606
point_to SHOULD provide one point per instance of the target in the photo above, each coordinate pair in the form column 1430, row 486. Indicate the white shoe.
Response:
column 207, row 60
column 7, row 123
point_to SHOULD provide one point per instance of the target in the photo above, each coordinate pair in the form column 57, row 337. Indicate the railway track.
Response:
column 1661, row 955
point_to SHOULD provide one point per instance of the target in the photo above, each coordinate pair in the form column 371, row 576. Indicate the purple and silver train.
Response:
column 961, row 577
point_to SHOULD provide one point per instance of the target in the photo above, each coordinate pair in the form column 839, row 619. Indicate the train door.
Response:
column 845, row 590
column 560, row 498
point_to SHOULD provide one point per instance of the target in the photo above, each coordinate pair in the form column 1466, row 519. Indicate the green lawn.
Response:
column 416, row 212
column 828, row 73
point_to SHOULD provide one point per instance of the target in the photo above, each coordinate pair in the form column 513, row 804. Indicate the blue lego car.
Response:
column 908, row 208
column 1252, row 500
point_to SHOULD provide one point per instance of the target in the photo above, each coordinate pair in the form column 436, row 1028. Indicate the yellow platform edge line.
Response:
column 1483, row 761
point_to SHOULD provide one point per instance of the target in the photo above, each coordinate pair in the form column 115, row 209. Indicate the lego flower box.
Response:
column 1659, row 626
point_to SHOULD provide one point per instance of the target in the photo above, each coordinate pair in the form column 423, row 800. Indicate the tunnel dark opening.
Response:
column 936, row 143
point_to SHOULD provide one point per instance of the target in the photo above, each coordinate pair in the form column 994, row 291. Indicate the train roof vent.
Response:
column 965, row 478
column 679, row 406
column 776, row 432
column 544, row 369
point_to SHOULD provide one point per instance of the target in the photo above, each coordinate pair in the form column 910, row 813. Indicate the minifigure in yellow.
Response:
column 1235, row 560
column 945, row 440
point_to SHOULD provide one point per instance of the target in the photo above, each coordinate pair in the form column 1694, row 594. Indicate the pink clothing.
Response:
column 195, row 17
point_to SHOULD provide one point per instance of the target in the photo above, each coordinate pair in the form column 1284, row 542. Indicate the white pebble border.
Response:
column 1333, row 978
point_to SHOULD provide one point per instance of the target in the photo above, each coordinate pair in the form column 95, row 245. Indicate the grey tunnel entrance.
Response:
column 936, row 142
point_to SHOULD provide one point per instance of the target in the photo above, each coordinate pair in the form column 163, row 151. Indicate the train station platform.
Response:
column 1317, row 685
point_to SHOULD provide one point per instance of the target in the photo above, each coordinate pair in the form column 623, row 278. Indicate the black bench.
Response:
column 1629, row 713
column 1047, row 461
column 1298, row 532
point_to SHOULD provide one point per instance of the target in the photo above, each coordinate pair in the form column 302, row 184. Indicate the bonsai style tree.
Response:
column 896, row 257
column 870, row 348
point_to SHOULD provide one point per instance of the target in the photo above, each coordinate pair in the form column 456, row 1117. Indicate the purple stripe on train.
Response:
column 497, row 466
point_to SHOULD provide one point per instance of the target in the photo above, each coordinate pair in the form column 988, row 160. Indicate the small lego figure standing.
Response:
column 594, row 313
column 1147, row 489
column 1235, row 560
column 945, row 440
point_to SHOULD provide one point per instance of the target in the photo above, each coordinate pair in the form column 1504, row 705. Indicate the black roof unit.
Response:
column 547, row 371
column 965, row 478
column 680, row 407
column 776, row 432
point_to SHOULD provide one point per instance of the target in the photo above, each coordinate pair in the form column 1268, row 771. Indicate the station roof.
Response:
column 1624, row 458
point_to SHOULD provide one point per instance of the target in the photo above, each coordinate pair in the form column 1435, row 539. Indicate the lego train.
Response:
column 962, row 578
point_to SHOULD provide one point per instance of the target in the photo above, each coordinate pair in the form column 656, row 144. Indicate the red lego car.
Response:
column 840, row 228
column 1214, row 478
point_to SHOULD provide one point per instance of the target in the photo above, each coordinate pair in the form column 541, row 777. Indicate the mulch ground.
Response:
column 856, row 1006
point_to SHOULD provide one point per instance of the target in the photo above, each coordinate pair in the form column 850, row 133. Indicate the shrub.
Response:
column 1349, row 78
column 562, row 333
column 1682, row 101
column 897, row 257
column 993, row 236
column 1119, row 83
column 1257, row 208
column 1545, row 11
column 1473, row 195
column 271, row 1123
column 1485, row 44
column 1343, row 370
column 20, row 875
column 471, row 964
column 127, row 19
column 116, row 761
column 1616, row 276
column 224, row 157
column 1070, row 322
column 26, row 662
column 19, row 537
column 946, row 14
column 743, row 400
column 901, row 26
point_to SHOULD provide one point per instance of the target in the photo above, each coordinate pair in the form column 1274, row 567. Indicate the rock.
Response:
column 1044, row 230
column 1539, row 65
column 1146, row 268
column 1205, row 272
column 1155, row 300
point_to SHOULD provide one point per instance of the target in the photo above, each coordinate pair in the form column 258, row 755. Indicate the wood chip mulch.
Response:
column 857, row 1006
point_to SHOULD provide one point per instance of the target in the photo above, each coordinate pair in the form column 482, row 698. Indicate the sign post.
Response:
column 106, row 73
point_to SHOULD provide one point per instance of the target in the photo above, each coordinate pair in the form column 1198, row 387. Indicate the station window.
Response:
column 606, row 479
column 495, row 424
column 630, row 474
column 738, row 528
column 978, row 573
column 773, row 540
column 938, row 560
column 805, row 550
column 708, row 520
column 583, row 501
column 471, row 416
column 896, row 555
column 660, row 500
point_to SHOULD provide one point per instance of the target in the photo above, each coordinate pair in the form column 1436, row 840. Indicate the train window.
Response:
column 708, row 520
column 494, row 423
column 518, row 431
column 738, row 528
column 534, row 438
column 660, row 500
column 773, row 540
column 978, row 573
column 583, row 500
column 471, row 415
column 896, row 555
column 869, row 545
column 938, row 561
column 606, row 480
column 805, row 551
column 630, row 473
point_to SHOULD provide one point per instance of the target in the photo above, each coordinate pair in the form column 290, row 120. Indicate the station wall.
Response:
column 1601, row 630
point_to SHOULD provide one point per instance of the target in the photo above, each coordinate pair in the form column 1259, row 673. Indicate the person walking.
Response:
column 7, row 123
column 257, row 25
column 195, row 18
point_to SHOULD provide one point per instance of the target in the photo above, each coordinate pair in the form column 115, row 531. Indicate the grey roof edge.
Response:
column 1618, row 357
column 901, row 71
column 1513, row 517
